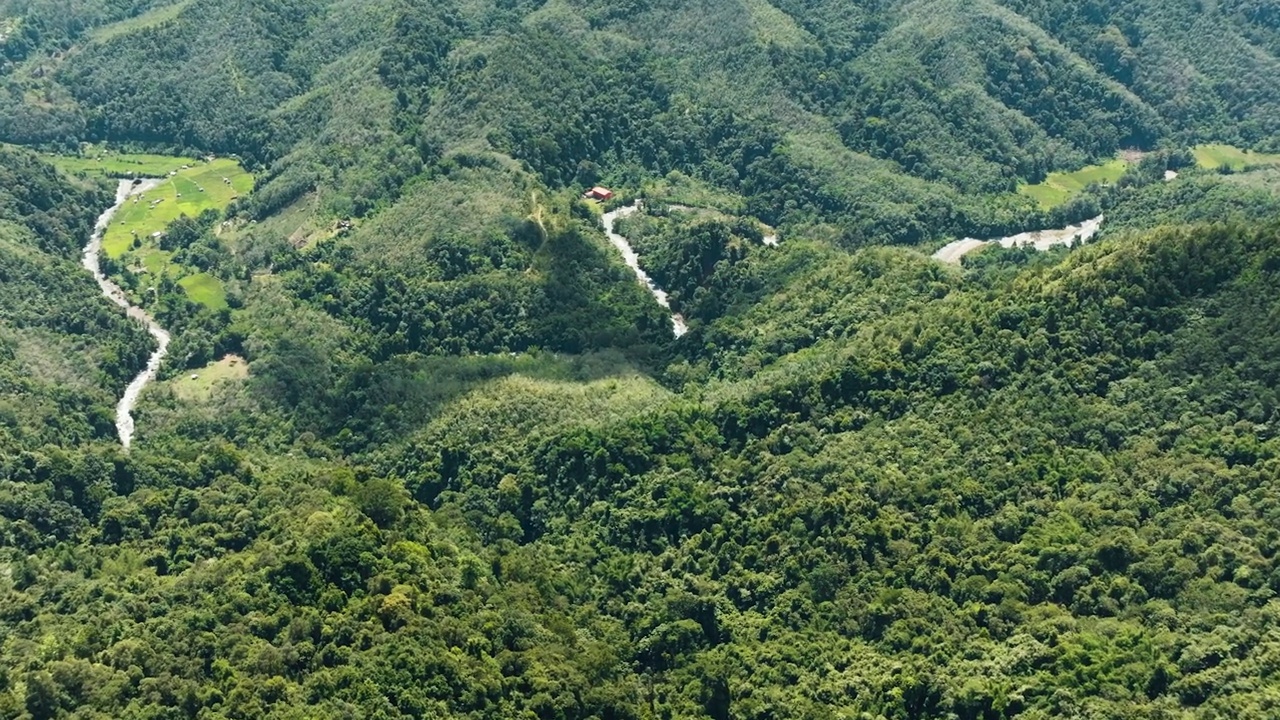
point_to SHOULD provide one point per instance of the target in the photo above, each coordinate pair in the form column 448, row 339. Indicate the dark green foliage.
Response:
column 865, row 506
column 700, row 262
column 470, row 473
column 32, row 194
column 64, row 349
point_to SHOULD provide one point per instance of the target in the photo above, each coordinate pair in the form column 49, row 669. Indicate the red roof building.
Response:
column 599, row 193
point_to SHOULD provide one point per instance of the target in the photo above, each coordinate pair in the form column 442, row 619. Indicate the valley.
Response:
column 125, row 191
column 183, row 187
column 935, row 375
column 632, row 261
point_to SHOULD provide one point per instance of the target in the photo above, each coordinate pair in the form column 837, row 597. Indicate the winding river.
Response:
column 632, row 260
column 92, row 257
column 1040, row 239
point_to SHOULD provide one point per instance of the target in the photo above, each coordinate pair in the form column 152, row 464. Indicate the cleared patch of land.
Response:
column 151, row 18
column 676, row 188
column 189, row 188
column 1059, row 187
column 97, row 162
column 205, row 289
column 1213, row 157
column 303, row 222
column 198, row 385
column 190, row 192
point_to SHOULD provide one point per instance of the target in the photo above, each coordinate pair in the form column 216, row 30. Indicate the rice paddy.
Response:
column 1059, row 187
column 189, row 187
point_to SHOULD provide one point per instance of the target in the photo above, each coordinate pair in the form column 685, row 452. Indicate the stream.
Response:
column 91, row 262
column 633, row 261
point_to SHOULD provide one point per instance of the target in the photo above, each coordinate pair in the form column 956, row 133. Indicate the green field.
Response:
column 231, row 368
column 1213, row 157
column 190, row 192
column 1060, row 187
column 193, row 187
column 97, row 162
column 205, row 289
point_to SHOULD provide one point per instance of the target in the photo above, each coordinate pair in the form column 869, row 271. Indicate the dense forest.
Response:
column 63, row 354
column 884, row 122
column 467, row 470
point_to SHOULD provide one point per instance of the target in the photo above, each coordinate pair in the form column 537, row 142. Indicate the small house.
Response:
column 599, row 193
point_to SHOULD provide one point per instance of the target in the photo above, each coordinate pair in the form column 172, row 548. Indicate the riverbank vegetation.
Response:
column 66, row 353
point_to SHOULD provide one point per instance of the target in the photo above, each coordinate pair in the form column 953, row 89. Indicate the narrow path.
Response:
column 1040, row 239
column 91, row 262
column 633, row 261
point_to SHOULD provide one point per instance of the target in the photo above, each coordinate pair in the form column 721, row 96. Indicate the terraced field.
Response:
column 1060, row 187
column 189, row 188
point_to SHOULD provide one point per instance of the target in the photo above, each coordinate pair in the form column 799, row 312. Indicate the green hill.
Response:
column 423, row 447
column 897, row 121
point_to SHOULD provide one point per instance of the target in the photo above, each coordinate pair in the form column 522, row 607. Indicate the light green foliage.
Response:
column 1216, row 156
column 198, row 384
column 1059, row 187
column 98, row 161
column 150, row 19
column 204, row 289
column 679, row 189
column 179, row 195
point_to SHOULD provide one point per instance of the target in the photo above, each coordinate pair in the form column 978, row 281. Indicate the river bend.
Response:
column 92, row 263
column 632, row 260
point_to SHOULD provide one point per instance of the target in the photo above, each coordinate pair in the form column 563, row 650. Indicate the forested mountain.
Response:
column 439, row 455
column 894, row 121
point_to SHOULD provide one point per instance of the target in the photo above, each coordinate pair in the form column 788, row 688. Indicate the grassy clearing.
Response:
column 190, row 192
column 205, row 289
column 1060, row 187
column 231, row 368
column 1267, row 178
column 302, row 222
column 1213, row 157
column 677, row 188
column 151, row 18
